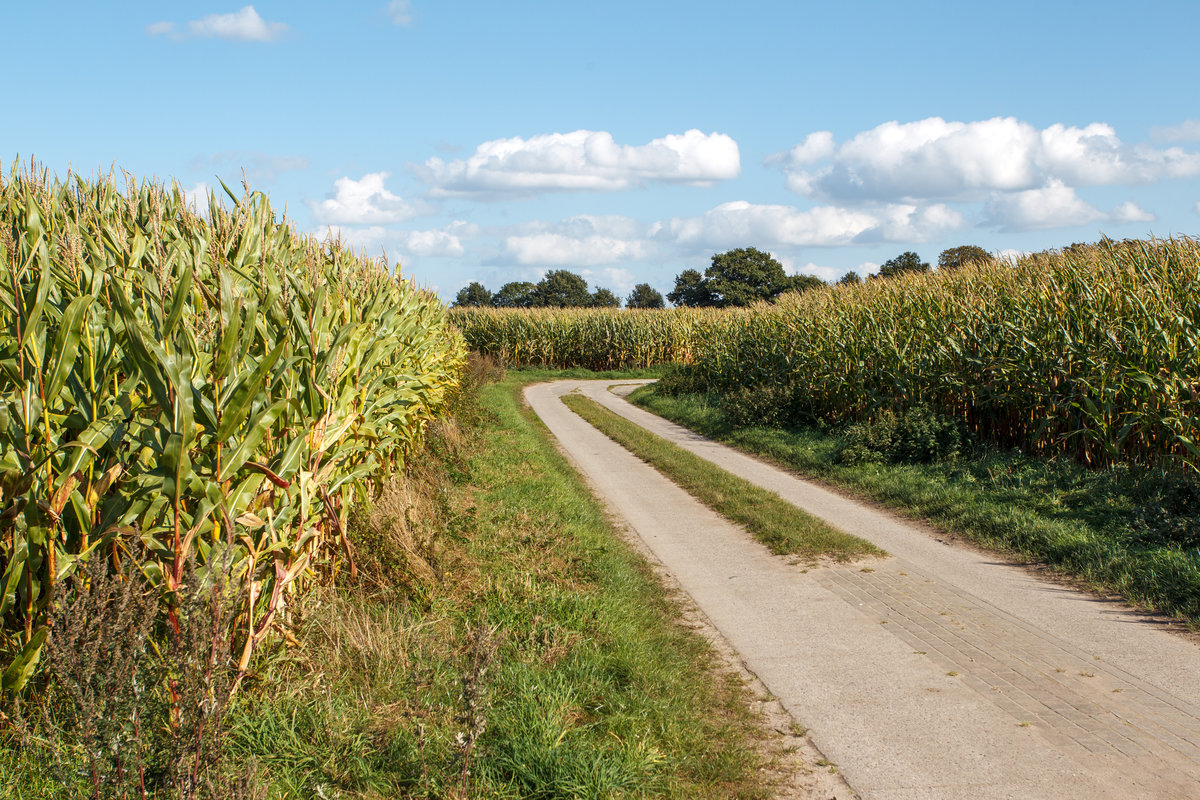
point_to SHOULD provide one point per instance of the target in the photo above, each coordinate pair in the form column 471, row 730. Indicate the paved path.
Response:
column 938, row 672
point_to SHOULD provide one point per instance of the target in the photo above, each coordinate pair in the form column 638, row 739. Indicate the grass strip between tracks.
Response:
column 1096, row 526
column 777, row 523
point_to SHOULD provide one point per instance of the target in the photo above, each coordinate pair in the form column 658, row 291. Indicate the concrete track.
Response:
column 938, row 672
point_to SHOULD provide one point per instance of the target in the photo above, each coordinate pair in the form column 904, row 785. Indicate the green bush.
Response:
column 918, row 435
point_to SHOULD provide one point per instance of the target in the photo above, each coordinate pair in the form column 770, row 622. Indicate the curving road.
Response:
column 938, row 672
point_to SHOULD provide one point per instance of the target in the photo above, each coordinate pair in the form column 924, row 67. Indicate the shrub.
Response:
column 918, row 435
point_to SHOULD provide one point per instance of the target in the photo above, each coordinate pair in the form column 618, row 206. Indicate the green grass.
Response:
column 542, row 648
column 773, row 521
column 1121, row 530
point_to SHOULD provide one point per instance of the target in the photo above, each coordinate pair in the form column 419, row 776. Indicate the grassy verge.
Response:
column 775, row 522
column 1118, row 530
column 500, row 640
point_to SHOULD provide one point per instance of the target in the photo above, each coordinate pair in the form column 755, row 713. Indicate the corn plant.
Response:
column 213, row 387
column 1092, row 352
column 577, row 337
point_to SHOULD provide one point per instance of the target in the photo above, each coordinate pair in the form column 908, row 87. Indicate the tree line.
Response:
column 733, row 278
column 558, row 289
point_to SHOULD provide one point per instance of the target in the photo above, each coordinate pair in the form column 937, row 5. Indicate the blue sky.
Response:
column 628, row 141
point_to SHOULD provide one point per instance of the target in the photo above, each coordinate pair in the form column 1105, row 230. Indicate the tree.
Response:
column 802, row 283
column 473, row 294
column 645, row 296
column 517, row 294
column 956, row 257
column 849, row 279
column 740, row 277
column 561, row 288
column 603, row 298
column 907, row 261
column 690, row 290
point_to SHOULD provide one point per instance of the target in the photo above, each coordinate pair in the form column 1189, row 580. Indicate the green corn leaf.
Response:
column 21, row 667
column 66, row 345
column 254, row 436
column 244, row 393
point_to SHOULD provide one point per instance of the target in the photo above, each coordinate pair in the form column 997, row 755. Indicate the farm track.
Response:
column 938, row 672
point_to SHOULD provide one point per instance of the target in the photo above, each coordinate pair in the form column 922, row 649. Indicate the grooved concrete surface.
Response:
column 938, row 672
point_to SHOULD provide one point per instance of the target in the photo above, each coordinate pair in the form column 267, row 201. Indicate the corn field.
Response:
column 597, row 339
column 177, row 386
column 1092, row 352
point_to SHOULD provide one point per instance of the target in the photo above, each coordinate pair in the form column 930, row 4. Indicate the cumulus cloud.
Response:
column 582, row 161
column 398, row 12
column 1054, row 206
column 363, row 202
column 244, row 25
column 582, row 240
column 441, row 242
column 731, row 224
column 936, row 159
column 1130, row 211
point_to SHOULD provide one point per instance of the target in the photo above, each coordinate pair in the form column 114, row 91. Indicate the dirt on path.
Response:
column 937, row 672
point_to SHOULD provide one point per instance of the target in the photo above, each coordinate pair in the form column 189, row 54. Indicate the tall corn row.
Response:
column 1093, row 352
column 575, row 337
column 175, row 388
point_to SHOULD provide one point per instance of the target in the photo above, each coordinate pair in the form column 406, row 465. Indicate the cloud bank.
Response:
column 933, row 159
column 582, row 161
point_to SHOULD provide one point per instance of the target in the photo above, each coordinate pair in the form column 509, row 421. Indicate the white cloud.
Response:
column 740, row 223
column 1054, row 206
column 936, row 159
column 244, row 25
column 363, row 202
column 1188, row 131
column 582, row 240
column 444, row 242
column 826, row 274
column 371, row 239
column 398, row 11
column 1130, row 211
column 583, row 160
column 617, row 280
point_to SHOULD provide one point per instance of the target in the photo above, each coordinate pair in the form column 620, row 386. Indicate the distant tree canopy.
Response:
column 849, row 279
column 690, row 290
column 473, row 294
column 517, row 294
column 737, row 278
column 603, row 298
column 907, row 261
column 956, row 257
column 644, row 296
column 560, row 288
